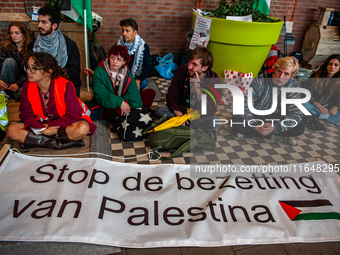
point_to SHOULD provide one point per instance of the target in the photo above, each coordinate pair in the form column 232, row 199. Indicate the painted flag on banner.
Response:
column 321, row 209
column 263, row 6
column 75, row 10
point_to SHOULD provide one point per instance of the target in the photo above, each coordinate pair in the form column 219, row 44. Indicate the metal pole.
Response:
column 86, row 48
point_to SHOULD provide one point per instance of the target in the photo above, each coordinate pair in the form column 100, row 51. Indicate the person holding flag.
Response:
column 52, row 41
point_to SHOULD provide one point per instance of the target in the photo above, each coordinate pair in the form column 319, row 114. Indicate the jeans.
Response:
column 143, row 84
column 244, row 129
column 335, row 119
column 10, row 73
column 205, row 123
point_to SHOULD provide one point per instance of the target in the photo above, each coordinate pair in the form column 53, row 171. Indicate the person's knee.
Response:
column 13, row 131
column 143, row 84
column 10, row 62
column 80, row 130
column 161, row 110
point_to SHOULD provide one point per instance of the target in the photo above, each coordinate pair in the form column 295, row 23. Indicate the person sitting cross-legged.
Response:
column 115, row 88
column 285, row 126
column 185, row 91
column 52, row 116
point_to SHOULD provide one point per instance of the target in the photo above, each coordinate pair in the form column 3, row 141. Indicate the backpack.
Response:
column 97, row 54
column 181, row 139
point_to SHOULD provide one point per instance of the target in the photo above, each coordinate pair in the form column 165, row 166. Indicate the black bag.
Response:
column 97, row 54
column 131, row 127
column 154, row 63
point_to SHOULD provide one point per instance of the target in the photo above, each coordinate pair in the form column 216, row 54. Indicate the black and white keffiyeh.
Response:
column 135, row 48
column 54, row 44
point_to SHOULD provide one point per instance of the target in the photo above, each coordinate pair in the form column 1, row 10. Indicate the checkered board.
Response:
column 162, row 84
column 311, row 146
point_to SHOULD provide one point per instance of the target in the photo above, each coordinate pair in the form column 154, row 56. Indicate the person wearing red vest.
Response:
column 51, row 114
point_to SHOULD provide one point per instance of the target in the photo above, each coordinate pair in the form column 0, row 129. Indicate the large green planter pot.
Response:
column 241, row 46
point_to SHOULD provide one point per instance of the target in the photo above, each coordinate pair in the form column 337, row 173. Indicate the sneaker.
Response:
column 287, row 140
column 239, row 135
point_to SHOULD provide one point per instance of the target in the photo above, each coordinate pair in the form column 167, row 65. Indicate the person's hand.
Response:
column 196, row 85
column 14, row 87
column 88, row 71
column 51, row 130
column 178, row 113
column 3, row 85
column 333, row 110
column 322, row 109
column 138, row 83
column 125, row 108
column 266, row 129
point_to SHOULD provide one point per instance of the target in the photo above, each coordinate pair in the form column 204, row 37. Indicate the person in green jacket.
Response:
column 114, row 86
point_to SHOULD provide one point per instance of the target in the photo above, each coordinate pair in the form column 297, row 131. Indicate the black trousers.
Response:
column 299, row 129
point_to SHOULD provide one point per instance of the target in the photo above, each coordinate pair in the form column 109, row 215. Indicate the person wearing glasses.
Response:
column 114, row 86
column 51, row 114
column 15, row 48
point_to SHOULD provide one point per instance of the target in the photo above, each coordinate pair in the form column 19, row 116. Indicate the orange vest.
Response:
column 59, row 96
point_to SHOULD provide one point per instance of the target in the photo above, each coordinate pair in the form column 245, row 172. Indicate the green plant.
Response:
column 240, row 8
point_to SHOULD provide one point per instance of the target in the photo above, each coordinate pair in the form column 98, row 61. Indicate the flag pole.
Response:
column 86, row 48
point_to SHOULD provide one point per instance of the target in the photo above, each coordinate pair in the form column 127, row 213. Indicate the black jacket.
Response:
column 73, row 63
column 4, row 54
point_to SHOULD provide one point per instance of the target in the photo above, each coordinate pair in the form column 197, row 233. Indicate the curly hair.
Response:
column 122, row 51
column 10, row 45
column 47, row 62
column 322, row 71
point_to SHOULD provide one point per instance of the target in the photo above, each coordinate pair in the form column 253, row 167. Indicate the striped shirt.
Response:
column 262, row 100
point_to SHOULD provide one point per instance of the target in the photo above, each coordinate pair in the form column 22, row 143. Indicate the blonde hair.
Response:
column 287, row 62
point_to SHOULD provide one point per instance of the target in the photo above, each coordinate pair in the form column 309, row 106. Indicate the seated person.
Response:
column 284, row 71
column 52, row 41
column 325, row 94
column 114, row 86
column 14, row 50
column 140, row 63
column 51, row 114
column 184, row 83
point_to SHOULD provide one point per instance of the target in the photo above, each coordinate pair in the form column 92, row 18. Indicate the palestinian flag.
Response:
column 75, row 10
column 320, row 209
column 263, row 6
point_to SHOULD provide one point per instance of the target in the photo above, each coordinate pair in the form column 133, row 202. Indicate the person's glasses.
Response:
column 32, row 69
column 117, row 59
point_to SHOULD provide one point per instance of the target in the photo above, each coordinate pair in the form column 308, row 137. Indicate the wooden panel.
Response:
column 324, row 16
column 310, row 43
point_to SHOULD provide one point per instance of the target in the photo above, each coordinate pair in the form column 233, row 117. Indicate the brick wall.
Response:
column 163, row 24
column 303, row 13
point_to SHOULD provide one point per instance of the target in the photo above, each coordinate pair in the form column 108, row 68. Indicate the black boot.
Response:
column 50, row 142
column 65, row 142
column 33, row 140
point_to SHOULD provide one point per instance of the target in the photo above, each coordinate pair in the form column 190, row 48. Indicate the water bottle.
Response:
column 330, row 19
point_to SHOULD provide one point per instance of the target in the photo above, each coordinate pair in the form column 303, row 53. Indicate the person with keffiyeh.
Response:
column 52, row 41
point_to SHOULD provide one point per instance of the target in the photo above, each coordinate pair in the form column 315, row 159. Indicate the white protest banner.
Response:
column 98, row 201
